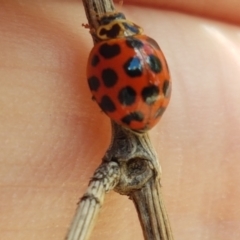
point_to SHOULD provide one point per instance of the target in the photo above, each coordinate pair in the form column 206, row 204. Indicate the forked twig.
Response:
column 130, row 167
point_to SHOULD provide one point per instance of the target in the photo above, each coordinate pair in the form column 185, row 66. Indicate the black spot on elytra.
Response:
column 107, row 104
column 134, row 116
column 150, row 94
column 109, row 51
column 95, row 60
column 127, row 96
column 160, row 112
column 134, row 43
column 153, row 43
column 133, row 67
column 111, row 33
column 109, row 77
column 166, row 88
column 154, row 63
column 93, row 83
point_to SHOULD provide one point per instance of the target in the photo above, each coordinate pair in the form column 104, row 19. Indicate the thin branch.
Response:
column 151, row 211
column 104, row 179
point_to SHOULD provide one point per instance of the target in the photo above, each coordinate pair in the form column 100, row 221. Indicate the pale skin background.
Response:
column 53, row 135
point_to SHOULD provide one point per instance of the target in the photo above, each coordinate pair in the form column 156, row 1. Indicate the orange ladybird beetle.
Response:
column 128, row 74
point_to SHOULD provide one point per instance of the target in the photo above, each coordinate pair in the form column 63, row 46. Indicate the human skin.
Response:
column 53, row 135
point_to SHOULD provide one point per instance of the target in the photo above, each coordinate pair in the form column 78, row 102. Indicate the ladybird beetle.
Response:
column 128, row 74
